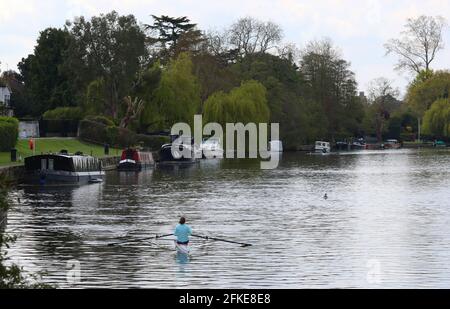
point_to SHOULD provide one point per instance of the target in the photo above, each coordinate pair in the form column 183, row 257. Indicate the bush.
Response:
column 9, row 133
column 100, row 119
column 64, row 113
column 99, row 133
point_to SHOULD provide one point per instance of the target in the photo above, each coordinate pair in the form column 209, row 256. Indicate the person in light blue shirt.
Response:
column 182, row 232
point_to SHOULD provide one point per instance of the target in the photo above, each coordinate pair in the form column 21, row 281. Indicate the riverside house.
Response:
column 5, row 99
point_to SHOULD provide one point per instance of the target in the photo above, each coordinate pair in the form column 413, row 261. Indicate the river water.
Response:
column 384, row 225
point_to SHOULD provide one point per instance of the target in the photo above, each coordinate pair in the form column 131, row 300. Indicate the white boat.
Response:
column 212, row 149
column 276, row 146
column 182, row 249
column 323, row 147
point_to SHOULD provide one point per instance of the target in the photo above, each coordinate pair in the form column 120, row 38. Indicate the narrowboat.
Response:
column 135, row 160
column 182, row 151
column 63, row 168
column 392, row 144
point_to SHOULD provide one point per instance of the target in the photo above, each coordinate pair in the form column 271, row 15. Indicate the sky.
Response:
column 358, row 28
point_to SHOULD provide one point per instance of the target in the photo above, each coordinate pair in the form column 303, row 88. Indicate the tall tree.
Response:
column 418, row 44
column 249, row 36
column 177, row 97
column 424, row 92
column 174, row 35
column 331, row 84
column 383, row 102
column 47, row 85
column 108, row 47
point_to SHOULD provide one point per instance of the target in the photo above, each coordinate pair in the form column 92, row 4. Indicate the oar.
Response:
column 223, row 240
column 138, row 240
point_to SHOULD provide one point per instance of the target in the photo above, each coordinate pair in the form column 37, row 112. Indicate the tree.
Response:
column 245, row 104
column 250, row 36
column 382, row 100
column 423, row 93
column 436, row 121
column 47, row 85
column 174, row 35
column 331, row 84
column 108, row 47
column 419, row 43
column 177, row 98
column 134, row 110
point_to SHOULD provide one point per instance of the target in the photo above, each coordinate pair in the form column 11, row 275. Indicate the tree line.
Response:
column 147, row 76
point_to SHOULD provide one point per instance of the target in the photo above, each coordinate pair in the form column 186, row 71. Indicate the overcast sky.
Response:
column 358, row 28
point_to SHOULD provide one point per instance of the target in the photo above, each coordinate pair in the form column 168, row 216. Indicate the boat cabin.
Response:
column 135, row 160
column 63, row 168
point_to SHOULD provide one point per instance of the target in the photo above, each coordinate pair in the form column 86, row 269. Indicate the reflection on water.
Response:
column 385, row 224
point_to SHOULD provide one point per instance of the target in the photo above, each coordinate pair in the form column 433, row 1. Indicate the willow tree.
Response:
column 436, row 121
column 177, row 99
column 245, row 104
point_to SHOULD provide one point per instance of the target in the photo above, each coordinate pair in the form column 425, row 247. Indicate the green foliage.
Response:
column 436, row 121
column 9, row 133
column 100, row 119
column 95, row 102
column 47, row 84
column 421, row 95
column 177, row 99
column 111, row 50
column 246, row 104
column 100, row 133
column 64, row 113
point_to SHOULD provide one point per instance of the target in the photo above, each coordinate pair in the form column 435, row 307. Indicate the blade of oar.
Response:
column 138, row 240
column 223, row 240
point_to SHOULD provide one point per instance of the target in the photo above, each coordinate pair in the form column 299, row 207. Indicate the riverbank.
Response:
column 49, row 145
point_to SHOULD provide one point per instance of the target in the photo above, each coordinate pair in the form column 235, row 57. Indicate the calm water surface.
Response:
column 385, row 224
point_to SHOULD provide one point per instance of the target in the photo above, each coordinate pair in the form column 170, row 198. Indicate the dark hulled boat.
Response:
column 182, row 150
column 135, row 160
column 63, row 168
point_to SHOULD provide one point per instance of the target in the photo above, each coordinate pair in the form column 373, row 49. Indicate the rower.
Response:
column 182, row 232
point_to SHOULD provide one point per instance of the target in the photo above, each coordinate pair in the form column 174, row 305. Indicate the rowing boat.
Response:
column 182, row 249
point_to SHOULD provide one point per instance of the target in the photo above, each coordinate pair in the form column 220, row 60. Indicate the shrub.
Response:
column 92, row 132
column 9, row 133
column 100, row 119
column 64, row 113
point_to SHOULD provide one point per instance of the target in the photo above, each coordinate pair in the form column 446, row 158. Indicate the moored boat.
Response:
column 323, row 147
column 181, row 151
column 63, row 168
column 135, row 160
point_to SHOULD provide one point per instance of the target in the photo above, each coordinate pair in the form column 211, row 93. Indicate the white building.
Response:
column 5, row 100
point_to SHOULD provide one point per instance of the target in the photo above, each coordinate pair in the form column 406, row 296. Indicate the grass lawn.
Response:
column 55, row 145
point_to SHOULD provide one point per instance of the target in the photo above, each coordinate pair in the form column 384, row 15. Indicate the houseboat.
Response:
column 212, row 149
column 134, row 160
column 182, row 150
column 63, row 168
column 323, row 147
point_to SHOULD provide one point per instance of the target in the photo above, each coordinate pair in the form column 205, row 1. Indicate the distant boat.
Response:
column 276, row 146
column 63, row 168
column 135, row 160
column 392, row 144
column 212, row 149
column 181, row 151
column 323, row 147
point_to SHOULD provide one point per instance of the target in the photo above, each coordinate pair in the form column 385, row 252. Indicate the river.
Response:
column 385, row 224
